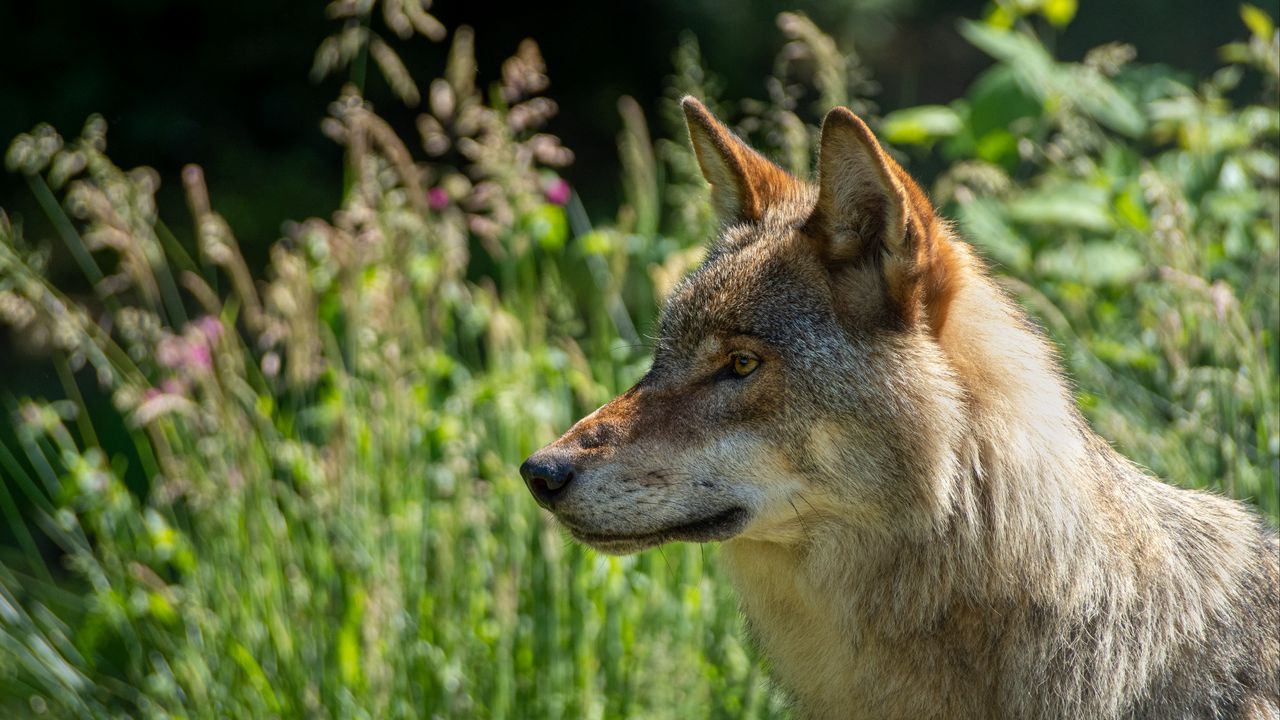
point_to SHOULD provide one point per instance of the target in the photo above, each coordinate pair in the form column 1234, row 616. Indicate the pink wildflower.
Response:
column 437, row 198
column 210, row 327
column 557, row 191
column 198, row 357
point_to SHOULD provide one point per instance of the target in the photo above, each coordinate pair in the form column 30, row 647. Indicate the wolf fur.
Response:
column 919, row 522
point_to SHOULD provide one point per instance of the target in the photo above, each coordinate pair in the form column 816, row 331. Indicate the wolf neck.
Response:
column 1020, row 527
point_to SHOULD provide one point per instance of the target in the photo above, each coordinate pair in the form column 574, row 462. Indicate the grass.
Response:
column 302, row 501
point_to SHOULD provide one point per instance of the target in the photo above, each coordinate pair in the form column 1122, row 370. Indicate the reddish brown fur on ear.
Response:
column 743, row 183
column 869, row 210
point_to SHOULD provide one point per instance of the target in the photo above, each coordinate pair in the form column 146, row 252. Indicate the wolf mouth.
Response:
column 721, row 526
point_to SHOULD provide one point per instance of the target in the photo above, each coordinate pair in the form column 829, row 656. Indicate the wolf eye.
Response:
column 744, row 364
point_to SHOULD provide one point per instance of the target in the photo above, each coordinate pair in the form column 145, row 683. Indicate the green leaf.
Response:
column 1150, row 83
column 1000, row 17
column 1232, row 206
column 996, row 100
column 921, row 125
column 1101, row 99
column 549, row 226
column 1014, row 48
column 349, row 661
column 985, row 224
column 597, row 242
column 253, row 671
column 1059, row 12
column 1036, row 71
column 999, row 147
column 1258, row 21
column 1069, row 204
column 1119, row 354
column 1129, row 207
column 1093, row 263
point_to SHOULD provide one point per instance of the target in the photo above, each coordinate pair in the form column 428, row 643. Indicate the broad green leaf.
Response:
column 1221, row 133
column 1117, row 353
column 1036, row 70
column 1094, row 264
column 1235, row 52
column 921, row 125
column 985, row 225
column 1059, row 12
column 1262, row 164
column 1028, row 60
column 999, row 147
column 1069, row 204
column 1096, row 95
column 1129, row 208
column 1151, row 83
column 1258, row 21
column 1232, row 206
column 598, row 242
column 1000, row 17
column 1261, row 120
column 997, row 99
column 549, row 226
column 1012, row 47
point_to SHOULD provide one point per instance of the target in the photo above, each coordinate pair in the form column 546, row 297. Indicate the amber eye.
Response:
column 744, row 364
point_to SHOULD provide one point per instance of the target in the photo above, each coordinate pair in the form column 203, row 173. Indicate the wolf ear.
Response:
column 870, row 211
column 743, row 182
column 862, row 207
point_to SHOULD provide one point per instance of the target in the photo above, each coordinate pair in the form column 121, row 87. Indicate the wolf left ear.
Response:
column 870, row 212
column 743, row 183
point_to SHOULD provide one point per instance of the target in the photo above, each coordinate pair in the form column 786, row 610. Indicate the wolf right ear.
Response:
column 862, row 207
column 871, row 212
column 743, row 183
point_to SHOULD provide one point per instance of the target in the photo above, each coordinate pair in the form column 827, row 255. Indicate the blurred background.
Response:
column 224, row 84
column 287, row 291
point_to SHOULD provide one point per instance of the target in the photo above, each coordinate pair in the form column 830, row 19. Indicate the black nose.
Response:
column 547, row 475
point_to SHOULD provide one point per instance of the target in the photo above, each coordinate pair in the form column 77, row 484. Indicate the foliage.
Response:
column 1136, row 213
column 330, row 523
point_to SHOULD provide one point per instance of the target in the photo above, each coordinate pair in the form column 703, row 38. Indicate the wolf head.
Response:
column 798, row 375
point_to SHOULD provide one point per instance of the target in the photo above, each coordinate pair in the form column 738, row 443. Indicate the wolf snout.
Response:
column 547, row 473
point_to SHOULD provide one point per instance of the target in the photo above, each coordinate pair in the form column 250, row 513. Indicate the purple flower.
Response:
column 557, row 191
column 189, row 354
column 210, row 327
column 437, row 198
column 199, row 357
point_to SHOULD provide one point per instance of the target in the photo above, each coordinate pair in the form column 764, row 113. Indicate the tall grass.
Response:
column 329, row 523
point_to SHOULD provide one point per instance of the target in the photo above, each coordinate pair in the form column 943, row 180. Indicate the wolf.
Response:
column 917, row 519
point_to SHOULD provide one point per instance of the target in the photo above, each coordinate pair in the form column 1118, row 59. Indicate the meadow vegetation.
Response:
column 302, row 497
